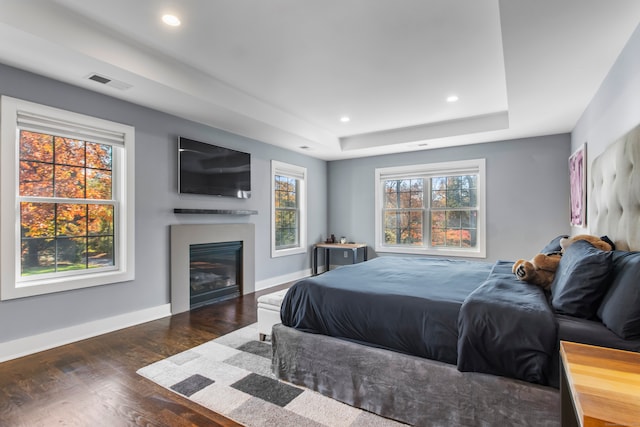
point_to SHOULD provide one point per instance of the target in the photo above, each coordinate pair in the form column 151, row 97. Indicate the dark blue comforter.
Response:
column 506, row 327
column 429, row 307
column 405, row 304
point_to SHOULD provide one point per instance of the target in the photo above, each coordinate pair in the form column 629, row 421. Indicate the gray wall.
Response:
column 156, row 197
column 615, row 109
column 527, row 192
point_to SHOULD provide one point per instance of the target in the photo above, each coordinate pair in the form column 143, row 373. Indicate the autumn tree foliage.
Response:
column 451, row 206
column 286, row 207
column 66, row 212
column 404, row 211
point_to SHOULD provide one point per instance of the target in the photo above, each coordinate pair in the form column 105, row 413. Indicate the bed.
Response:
column 429, row 341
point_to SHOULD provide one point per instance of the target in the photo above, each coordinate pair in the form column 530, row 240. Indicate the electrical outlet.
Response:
column 346, row 254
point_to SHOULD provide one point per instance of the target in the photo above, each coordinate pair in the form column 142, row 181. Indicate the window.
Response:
column 288, row 216
column 67, row 200
column 435, row 209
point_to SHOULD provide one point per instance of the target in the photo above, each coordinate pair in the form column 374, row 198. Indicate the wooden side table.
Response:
column 599, row 386
column 327, row 249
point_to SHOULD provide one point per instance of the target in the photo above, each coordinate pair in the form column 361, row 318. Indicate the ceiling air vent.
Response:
column 108, row 81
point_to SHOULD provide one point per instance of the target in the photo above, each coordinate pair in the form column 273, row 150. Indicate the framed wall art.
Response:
column 578, row 182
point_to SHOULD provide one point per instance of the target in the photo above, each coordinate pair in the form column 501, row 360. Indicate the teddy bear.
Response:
column 603, row 243
column 541, row 269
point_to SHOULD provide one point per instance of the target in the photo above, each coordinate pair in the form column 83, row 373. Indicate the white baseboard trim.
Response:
column 24, row 346
column 279, row 280
column 33, row 344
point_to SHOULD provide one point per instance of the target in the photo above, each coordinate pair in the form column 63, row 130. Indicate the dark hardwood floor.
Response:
column 94, row 382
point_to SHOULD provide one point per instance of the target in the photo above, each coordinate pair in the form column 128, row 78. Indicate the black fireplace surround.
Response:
column 215, row 272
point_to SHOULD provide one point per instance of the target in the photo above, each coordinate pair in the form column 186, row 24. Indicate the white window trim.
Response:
column 300, row 173
column 95, row 130
column 428, row 170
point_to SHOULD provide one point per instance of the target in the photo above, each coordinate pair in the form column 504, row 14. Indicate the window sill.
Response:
column 13, row 290
column 275, row 253
column 449, row 253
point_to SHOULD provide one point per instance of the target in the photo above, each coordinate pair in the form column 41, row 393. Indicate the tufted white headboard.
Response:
column 614, row 202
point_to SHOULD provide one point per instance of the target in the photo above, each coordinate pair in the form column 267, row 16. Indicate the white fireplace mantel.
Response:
column 185, row 235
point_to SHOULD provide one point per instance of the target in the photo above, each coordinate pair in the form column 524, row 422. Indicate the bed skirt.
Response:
column 406, row 388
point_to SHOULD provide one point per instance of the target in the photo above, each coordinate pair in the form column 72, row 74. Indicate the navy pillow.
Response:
column 581, row 280
column 554, row 245
column 620, row 308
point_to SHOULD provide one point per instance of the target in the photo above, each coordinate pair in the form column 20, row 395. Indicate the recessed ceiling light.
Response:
column 345, row 119
column 452, row 98
column 171, row 20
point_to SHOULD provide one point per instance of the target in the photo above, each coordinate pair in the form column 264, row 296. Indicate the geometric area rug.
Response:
column 231, row 375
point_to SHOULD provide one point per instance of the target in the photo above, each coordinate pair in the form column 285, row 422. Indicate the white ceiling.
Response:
column 285, row 71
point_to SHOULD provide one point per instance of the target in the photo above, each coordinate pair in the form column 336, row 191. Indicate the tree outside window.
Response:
column 433, row 208
column 404, row 211
column 454, row 212
column 286, row 206
column 59, row 230
column 289, row 209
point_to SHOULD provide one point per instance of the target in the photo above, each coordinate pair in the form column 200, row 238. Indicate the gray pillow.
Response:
column 620, row 308
column 554, row 245
column 581, row 280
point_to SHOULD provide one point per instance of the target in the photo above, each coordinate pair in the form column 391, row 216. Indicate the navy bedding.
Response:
column 472, row 314
column 409, row 305
column 507, row 328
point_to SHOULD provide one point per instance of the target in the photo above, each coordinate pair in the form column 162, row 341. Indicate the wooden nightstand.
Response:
column 599, row 386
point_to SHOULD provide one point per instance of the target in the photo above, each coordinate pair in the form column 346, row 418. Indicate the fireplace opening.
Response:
column 215, row 272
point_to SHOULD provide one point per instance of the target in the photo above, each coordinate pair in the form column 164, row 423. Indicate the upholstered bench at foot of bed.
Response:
column 269, row 312
column 407, row 388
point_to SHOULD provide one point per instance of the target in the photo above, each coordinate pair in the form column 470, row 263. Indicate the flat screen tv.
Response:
column 209, row 169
